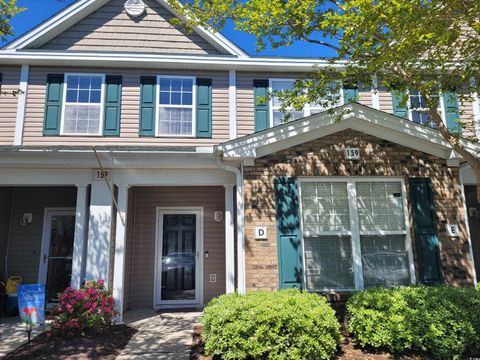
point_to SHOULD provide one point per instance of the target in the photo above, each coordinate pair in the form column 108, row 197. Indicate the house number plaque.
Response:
column 352, row 153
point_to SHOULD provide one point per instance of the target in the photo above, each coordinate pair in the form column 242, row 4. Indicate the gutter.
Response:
column 240, row 220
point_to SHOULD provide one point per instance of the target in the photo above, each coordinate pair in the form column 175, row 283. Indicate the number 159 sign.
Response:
column 352, row 153
column 102, row 175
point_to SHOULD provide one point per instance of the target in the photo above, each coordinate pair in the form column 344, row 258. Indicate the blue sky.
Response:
column 40, row 10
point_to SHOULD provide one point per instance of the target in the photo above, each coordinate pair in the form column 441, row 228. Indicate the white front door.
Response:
column 178, row 257
column 57, row 249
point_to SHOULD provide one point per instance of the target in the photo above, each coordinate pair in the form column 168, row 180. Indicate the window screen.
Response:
column 83, row 104
column 175, row 115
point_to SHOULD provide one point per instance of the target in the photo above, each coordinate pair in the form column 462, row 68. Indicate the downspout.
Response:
column 240, row 220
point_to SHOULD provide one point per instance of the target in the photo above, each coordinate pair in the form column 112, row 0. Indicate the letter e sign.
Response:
column 260, row 233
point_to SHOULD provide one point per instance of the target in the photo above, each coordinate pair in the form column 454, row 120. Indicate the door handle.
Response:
column 45, row 257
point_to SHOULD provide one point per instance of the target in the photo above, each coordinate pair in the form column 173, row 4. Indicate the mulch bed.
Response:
column 106, row 346
column 347, row 351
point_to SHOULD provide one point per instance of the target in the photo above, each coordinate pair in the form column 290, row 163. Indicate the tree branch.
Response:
column 320, row 42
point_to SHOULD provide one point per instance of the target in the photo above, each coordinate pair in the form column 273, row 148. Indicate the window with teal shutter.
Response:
column 350, row 93
column 452, row 115
column 399, row 109
column 53, row 104
column 147, row 105
column 113, row 96
column 204, row 108
column 289, row 241
column 261, row 105
column 424, row 225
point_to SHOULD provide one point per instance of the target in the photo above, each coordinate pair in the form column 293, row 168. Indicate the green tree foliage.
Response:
column 432, row 46
column 8, row 9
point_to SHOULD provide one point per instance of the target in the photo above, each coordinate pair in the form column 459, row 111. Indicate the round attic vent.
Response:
column 135, row 8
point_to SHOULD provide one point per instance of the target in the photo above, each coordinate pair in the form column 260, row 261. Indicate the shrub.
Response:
column 286, row 324
column 90, row 309
column 440, row 321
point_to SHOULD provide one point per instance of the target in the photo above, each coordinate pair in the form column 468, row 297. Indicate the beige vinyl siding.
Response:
column 130, row 108
column 24, row 250
column 8, row 103
column 365, row 96
column 385, row 100
column 467, row 116
column 110, row 28
column 5, row 210
column 147, row 199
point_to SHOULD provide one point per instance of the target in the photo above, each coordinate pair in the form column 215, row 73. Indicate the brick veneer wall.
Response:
column 325, row 157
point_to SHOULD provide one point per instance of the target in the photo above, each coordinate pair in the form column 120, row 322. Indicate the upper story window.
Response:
column 418, row 112
column 176, row 105
column 276, row 116
column 82, row 111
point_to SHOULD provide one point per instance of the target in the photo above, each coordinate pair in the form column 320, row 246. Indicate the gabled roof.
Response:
column 350, row 116
column 82, row 8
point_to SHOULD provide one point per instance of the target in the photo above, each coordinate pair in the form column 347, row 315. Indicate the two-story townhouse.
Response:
column 143, row 154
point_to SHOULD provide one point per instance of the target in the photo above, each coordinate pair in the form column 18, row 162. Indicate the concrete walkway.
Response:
column 13, row 334
column 162, row 336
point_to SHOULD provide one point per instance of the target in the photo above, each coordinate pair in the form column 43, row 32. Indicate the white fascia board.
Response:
column 77, row 11
column 357, row 117
column 57, row 24
column 157, row 61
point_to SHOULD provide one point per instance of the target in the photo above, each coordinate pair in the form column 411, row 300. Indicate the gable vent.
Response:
column 135, row 8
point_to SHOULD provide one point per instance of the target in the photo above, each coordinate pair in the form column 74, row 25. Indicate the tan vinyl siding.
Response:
column 365, row 96
column 147, row 199
column 8, row 103
column 5, row 209
column 129, row 110
column 110, row 28
column 385, row 100
column 467, row 117
column 24, row 250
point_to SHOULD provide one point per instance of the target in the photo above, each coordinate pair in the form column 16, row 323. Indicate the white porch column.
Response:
column 79, row 243
column 99, row 232
column 120, row 242
column 241, row 287
column 229, row 240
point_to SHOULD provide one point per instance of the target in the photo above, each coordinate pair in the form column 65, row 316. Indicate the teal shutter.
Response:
column 148, row 101
column 399, row 109
column 350, row 93
column 204, row 108
column 113, row 99
column 450, row 102
column 53, row 104
column 424, row 225
column 288, row 233
column 261, row 108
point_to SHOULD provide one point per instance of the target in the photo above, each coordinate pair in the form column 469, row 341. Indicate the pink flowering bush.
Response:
column 90, row 309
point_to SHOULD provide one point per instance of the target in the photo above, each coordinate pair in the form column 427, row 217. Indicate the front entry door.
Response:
column 178, row 270
column 57, row 250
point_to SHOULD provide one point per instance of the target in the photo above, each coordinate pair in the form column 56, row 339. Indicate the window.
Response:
column 355, row 219
column 176, row 115
column 418, row 109
column 82, row 113
column 276, row 115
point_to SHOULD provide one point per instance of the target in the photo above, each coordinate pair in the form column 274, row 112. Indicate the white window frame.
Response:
column 307, row 109
column 441, row 107
column 355, row 227
column 193, row 106
column 102, row 105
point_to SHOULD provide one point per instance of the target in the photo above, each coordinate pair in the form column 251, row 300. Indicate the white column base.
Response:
column 79, row 243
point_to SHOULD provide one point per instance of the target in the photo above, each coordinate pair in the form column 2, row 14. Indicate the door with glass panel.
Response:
column 354, row 234
column 177, row 258
column 57, row 250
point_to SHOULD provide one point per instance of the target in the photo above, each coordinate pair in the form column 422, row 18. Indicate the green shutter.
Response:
column 113, row 99
column 399, row 109
column 350, row 93
column 424, row 225
column 289, row 239
column 262, row 112
column 148, row 101
column 450, row 102
column 53, row 104
column 204, row 108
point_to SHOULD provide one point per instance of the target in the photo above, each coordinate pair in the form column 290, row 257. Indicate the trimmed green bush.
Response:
column 442, row 322
column 286, row 324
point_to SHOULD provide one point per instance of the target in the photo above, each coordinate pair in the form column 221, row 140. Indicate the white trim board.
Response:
column 81, row 9
column 350, row 116
column 21, row 105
